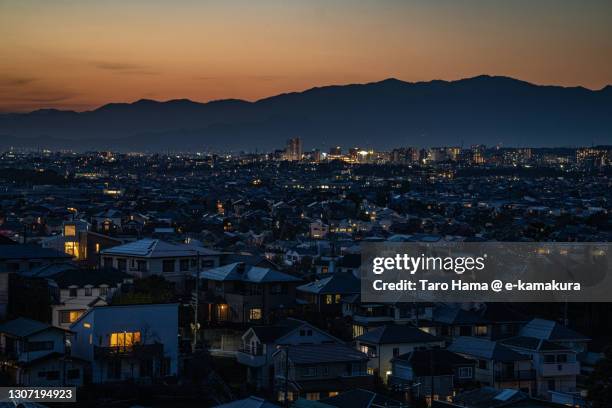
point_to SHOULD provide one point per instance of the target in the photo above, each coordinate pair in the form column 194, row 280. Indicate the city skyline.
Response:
column 80, row 56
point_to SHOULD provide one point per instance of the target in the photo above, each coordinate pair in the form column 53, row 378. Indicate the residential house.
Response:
column 555, row 365
column 81, row 243
column 430, row 373
column 22, row 258
column 384, row 343
column 242, row 293
column 34, row 353
column 79, row 290
column 146, row 257
column 489, row 397
column 325, row 295
column 318, row 230
column 557, row 333
column 135, row 342
column 259, row 343
column 367, row 316
column 108, row 221
column 315, row 371
column 497, row 365
column 451, row 321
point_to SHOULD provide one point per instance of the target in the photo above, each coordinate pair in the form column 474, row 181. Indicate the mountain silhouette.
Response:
column 390, row 113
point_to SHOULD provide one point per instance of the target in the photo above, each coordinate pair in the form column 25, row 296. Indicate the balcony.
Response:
column 136, row 351
column 518, row 375
column 556, row 369
column 251, row 358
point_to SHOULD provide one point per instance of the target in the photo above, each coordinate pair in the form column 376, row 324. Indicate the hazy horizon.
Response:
column 299, row 91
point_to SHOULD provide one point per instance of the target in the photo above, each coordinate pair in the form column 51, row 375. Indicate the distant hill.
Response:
column 383, row 114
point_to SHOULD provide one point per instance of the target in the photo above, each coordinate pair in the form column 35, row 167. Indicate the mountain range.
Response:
column 391, row 113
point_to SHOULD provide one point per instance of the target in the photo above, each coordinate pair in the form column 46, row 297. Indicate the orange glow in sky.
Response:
column 82, row 54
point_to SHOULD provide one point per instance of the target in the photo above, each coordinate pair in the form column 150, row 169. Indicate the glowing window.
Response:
column 255, row 314
column 70, row 316
column 125, row 339
column 72, row 248
column 70, row 230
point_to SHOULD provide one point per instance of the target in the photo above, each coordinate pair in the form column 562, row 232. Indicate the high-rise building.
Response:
column 335, row 151
column 407, row 155
column 293, row 151
column 478, row 154
column 315, row 155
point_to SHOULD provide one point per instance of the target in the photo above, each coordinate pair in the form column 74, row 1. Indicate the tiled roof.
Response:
column 23, row 327
column 532, row 343
column 268, row 334
column 438, row 361
column 246, row 273
column 156, row 248
column 550, row 330
column 30, row 251
column 454, row 315
column 397, row 334
column 251, row 402
column 485, row 349
column 337, row 283
column 360, row 399
column 324, row 353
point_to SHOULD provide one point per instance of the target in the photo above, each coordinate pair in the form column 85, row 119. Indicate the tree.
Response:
column 153, row 289
column 599, row 383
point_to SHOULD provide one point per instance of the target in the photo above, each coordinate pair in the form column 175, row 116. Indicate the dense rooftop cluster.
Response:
column 240, row 274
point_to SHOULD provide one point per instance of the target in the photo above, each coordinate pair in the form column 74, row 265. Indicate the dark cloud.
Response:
column 49, row 98
column 17, row 81
column 124, row 68
column 251, row 77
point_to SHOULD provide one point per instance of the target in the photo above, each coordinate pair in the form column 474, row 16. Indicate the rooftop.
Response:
column 156, row 248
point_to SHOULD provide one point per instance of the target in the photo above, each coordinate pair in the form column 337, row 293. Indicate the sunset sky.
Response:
column 82, row 54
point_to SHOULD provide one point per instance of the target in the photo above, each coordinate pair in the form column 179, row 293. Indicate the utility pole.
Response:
column 431, row 372
column 196, row 323
column 286, row 401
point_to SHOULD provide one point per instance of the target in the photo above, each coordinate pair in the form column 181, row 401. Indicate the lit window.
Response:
column 481, row 330
column 125, row 339
column 72, row 248
column 97, row 248
column 255, row 314
column 69, row 316
column 329, row 299
column 69, row 230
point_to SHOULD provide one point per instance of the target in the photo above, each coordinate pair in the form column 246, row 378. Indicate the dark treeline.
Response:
column 31, row 177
